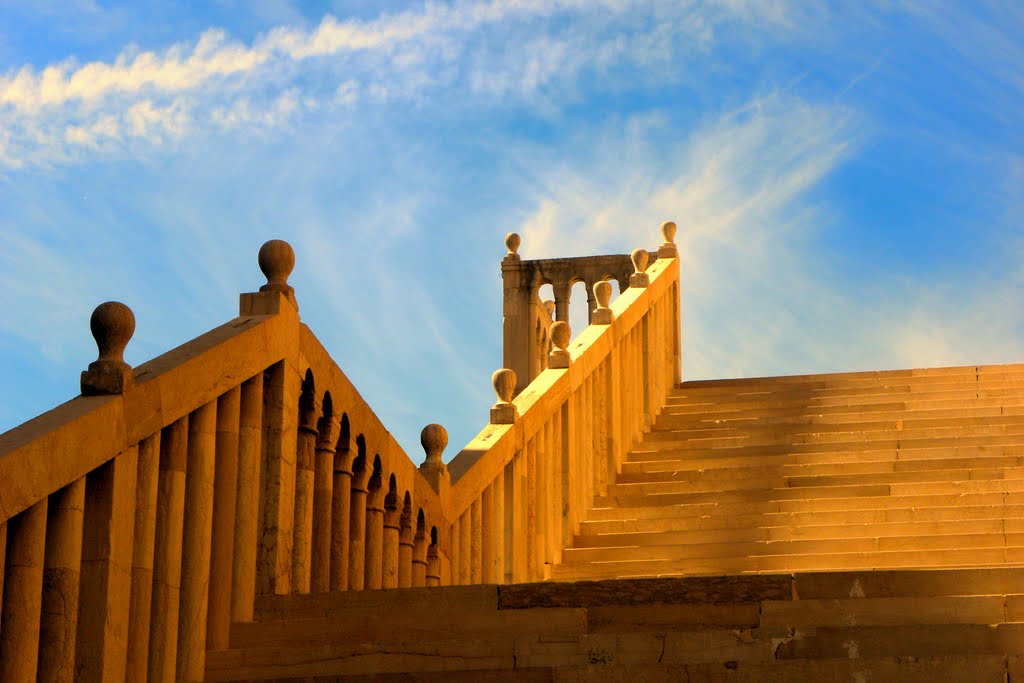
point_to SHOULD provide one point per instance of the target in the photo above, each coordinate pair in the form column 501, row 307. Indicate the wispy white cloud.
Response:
column 488, row 49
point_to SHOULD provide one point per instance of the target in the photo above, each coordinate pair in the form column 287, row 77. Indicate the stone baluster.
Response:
column 591, row 301
column 559, row 359
column 498, row 528
column 250, row 433
column 195, row 541
column 433, row 573
column 357, row 523
column 389, row 544
column 61, row 566
column 406, row 543
column 465, row 556
column 23, row 589
column 341, row 507
column 668, row 247
column 529, row 457
column 374, row 567
column 170, row 516
column 603, row 295
column 419, row 554
column 455, row 551
column 323, row 494
column 222, row 547
column 639, row 278
column 504, row 411
column 487, row 535
column 146, row 488
column 305, row 453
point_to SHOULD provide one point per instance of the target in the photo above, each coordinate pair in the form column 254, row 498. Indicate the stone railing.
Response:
column 522, row 485
column 139, row 520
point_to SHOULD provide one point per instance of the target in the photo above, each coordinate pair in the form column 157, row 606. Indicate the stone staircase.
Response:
column 904, row 625
column 879, row 470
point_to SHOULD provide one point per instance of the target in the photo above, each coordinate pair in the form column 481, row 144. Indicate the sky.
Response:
column 847, row 177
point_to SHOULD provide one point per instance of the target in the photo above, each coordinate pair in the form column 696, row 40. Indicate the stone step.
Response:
column 665, row 508
column 903, row 421
column 804, row 400
column 674, row 493
column 1012, row 428
column 844, row 413
column 653, row 450
column 765, row 477
column 729, row 391
column 917, row 559
column 881, row 518
column 750, row 534
column 804, row 547
column 783, row 465
column 917, row 374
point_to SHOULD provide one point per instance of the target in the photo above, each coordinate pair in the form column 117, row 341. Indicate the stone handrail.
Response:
column 139, row 520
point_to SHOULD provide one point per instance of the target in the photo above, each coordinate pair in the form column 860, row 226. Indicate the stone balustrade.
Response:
column 141, row 519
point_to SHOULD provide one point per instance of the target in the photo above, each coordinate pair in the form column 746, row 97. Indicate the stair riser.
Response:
column 785, row 429
column 790, row 401
column 1013, row 433
column 1009, row 514
column 912, row 375
column 677, row 449
column 670, row 470
column 983, row 407
column 812, row 389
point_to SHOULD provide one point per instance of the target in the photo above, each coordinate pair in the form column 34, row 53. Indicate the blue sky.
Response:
column 848, row 178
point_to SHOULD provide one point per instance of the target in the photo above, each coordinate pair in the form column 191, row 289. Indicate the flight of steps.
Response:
column 919, row 468
column 893, row 626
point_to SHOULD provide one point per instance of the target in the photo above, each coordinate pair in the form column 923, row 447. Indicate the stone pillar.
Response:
column 433, row 566
column 305, row 453
column 341, row 502
column 63, row 559
column 170, row 516
column 323, row 491
column 591, row 301
column 146, row 488
column 419, row 556
column 23, row 589
column 222, row 547
column 357, row 525
column 520, row 309
column 373, row 572
column 195, row 542
column 247, row 500
column 389, row 548
column 562, row 290
column 405, row 549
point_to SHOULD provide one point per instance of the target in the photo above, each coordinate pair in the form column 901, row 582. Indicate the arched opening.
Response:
column 579, row 310
column 547, row 293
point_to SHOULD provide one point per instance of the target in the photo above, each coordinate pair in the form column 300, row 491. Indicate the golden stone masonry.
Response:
column 233, row 510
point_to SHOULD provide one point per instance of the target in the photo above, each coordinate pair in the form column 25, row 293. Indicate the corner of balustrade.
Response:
column 276, row 260
column 434, row 439
column 112, row 325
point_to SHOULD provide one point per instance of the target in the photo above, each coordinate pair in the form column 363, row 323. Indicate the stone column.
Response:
column 562, row 290
column 591, row 301
column 305, row 453
column 357, row 525
column 63, row 559
column 323, row 492
column 433, row 566
column 222, row 547
column 419, row 557
column 405, row 549
column 373, row 572
column 23, row 589
column 142, row 557
column 389, row 548
column 250, row 428
column 341, row 502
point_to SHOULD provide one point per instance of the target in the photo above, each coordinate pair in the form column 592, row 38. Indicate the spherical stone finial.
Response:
column 668, row 247
column 504, row 411
column 512, row 242
column 277, row 259
column 112, row 325
column 602, row 315
column 639, row 278
column 560, row 334
column 434, row 439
